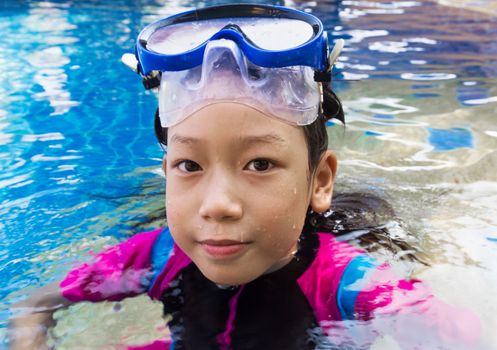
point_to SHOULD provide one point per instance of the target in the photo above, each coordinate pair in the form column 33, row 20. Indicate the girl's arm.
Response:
column 121, row 271
column 32, row 317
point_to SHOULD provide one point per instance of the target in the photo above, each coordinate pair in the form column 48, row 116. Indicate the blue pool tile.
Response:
column 450, row 139
column 423, row 86
column 425, row 95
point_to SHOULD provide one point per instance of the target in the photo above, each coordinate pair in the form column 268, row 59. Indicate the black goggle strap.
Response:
column 325, row 76
column 331, row 107
column 150, row 81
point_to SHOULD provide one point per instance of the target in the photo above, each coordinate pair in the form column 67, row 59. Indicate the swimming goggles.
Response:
column 271, row 58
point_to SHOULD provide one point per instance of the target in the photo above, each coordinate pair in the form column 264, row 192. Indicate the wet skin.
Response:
column 238, row 187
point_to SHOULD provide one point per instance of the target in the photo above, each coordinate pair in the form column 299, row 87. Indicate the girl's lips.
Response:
column 222, row 248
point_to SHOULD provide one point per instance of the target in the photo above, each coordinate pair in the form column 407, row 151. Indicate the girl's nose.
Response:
column 220, row 202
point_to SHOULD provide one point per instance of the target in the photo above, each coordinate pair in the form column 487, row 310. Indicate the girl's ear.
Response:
column 322, row 184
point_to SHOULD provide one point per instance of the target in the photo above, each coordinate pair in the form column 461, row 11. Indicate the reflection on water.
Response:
column 485, row 6
column 49, row 24
column 80, row 165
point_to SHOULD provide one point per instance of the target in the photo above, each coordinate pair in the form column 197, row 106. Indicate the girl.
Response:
column 243, row 102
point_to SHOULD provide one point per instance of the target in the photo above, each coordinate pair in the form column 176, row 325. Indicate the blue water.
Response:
column 78, row 158
column 75, row 125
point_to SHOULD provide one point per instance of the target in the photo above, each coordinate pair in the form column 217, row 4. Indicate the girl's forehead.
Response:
column 237, row 122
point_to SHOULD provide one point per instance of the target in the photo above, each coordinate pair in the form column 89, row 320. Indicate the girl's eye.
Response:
column 260, row 165
column 188, row 166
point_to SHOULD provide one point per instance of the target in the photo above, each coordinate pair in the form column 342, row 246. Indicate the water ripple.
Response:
column 52, row 136
column 481, row 101
column 18, row 180
column 428, row 76
column 393, row 47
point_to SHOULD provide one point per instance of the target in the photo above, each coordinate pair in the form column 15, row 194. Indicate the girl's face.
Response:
column 237, row 190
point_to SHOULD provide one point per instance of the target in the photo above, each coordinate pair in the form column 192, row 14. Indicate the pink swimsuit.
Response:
column 292, row 308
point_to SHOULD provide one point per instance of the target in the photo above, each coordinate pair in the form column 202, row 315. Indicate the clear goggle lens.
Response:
column 272, row 34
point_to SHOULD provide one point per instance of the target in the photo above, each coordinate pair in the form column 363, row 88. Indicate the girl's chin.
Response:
column 228, row 280
column 235, row 275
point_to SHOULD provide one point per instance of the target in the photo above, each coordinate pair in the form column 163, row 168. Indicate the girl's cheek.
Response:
column 174, row 208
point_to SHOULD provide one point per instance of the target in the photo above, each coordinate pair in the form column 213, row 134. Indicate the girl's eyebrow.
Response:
column 176, row 138
column 266, row 138
column 270, row 138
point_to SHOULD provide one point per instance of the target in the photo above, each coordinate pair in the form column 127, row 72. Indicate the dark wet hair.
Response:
column 315, row 133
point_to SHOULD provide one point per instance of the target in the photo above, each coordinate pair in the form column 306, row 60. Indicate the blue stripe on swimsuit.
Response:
column 352, row 282
column 161, row 252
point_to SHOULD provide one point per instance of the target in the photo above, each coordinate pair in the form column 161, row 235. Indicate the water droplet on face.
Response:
column 294, row 226
column 295, row 190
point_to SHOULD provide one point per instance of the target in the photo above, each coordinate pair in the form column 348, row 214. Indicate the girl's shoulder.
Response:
column 120, row 271
column 167, row 261
column 323, row 281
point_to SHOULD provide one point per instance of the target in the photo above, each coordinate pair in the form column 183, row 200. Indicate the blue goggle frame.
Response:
column 313, row 53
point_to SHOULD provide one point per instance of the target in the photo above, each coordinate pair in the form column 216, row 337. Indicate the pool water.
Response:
column 80, row 167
